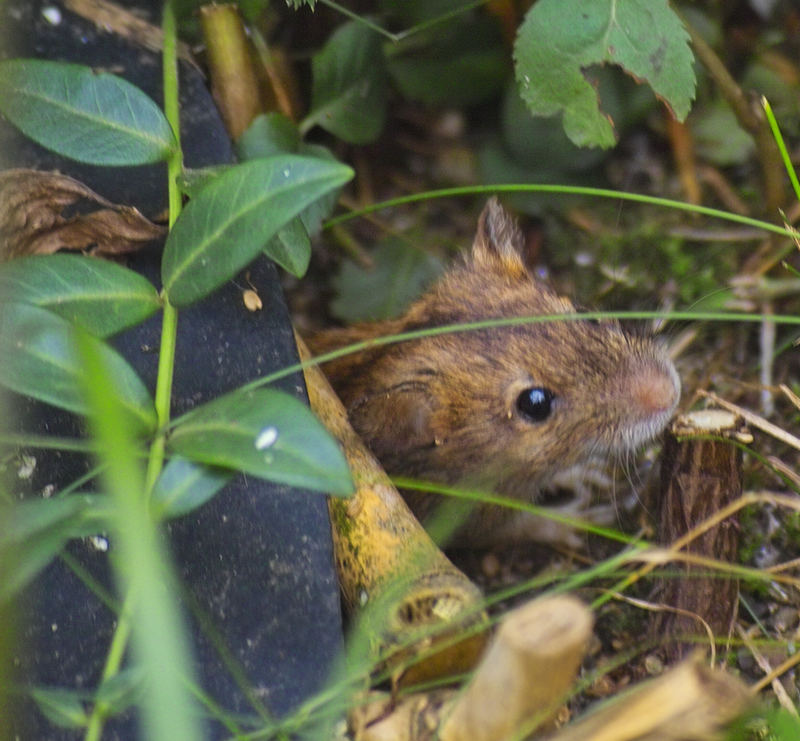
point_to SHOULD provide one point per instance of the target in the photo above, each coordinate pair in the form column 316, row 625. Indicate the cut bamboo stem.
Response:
column 234, row 84
column 385, row 558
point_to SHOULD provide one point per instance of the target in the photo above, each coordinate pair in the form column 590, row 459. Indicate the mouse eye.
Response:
column 535, row 404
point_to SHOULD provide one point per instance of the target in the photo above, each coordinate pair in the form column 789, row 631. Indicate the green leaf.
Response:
column 273, row 134
column 265, row 433
column 102, row 297
column 184, row 485
column 316, row 212
column 717, row 135
column 459, row 64
column 39, row 360
column 62, row 707
column 192, row 180
column 121, row 690
column 89, row 116
column 291, row 248
column 34, row 531
column 160, row 639
column 267, row 135
column 559, row 38
column 234, row 217
column 400, row 274
column 348, row 94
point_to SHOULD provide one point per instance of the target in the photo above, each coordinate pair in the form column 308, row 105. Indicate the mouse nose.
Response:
column 655, row 388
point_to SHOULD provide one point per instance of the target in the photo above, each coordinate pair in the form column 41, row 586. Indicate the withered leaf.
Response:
column 32, row 220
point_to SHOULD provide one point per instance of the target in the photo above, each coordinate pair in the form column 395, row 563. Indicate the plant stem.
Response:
column 166, row 360
column 169, row 326
column 116, row 652
column 749, row 115
column 776, row 134
column 465, row 190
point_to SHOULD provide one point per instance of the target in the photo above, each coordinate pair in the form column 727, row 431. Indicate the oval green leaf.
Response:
column 88, row 116
column 291, row 248
column 234, row 217
column 184, row 485
column 32, row 534
column 349, row 90
column 64, row 708
column 102, row 297
column 39, row 360
column 267, row 135
column 268, row 434
column 399, row 275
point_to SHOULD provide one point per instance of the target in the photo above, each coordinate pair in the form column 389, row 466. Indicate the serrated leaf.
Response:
column 184, row 485
column 291, row 248
column 399, row 275
column 348, row 94
column 89, row 116
column 102, row 297
column 235, row 216
column 39, row 360
column 558, row 38
column 265, row 433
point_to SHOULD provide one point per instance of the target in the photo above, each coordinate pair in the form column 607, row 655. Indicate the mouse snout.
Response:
column 655, row 388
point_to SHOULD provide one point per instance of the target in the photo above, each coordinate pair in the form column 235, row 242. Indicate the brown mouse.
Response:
column 503, row 409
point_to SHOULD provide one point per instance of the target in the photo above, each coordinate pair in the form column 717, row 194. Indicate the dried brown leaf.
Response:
column 32, row 220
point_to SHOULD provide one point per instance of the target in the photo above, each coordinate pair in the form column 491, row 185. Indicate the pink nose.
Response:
column 654, row 389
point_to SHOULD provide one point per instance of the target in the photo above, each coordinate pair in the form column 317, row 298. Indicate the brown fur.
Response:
column 444, row 408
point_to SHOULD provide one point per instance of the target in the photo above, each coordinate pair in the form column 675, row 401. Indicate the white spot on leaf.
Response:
column 52, row 15
column 266, row 438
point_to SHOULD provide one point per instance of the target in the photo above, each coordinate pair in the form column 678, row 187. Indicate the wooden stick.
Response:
column 527, row 671
column 691, row 701
column 522, row 680
column 699, row 476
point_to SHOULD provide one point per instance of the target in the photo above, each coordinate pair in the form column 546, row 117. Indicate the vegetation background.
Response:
column 429, row 107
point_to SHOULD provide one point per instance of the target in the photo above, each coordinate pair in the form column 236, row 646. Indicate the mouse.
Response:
column 509, row 409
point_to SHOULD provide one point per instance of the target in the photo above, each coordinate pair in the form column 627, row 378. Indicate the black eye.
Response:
column 535, row 403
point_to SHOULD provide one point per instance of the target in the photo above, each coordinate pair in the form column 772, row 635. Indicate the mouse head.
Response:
column 508, row 407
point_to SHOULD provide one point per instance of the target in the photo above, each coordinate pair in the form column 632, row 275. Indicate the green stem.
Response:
column 563, row 190
column 116, row 653
column 169, row 326
column 166, row 359
column 171, row 109
column 416, row 334
column 776, row 133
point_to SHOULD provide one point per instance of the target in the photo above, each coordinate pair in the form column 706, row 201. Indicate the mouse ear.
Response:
column 499, row 242
column 394, row 421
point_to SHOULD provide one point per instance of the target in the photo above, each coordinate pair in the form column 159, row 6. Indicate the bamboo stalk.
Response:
column 234, row 84
column 385, row 558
